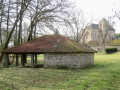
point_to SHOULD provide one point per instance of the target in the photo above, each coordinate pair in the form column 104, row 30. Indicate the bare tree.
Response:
column 104, row 31
column 116, row 9
column 76, row 24
column 41, row 13
column 45, row 12
column 21, row 12
column 20, row 22
column 1, row 20
column 16, row 29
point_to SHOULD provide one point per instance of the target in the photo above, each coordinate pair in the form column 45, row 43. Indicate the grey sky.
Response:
column 98, row 9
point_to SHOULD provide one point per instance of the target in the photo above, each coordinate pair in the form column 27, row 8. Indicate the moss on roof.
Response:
column 49, row 43
column 114, row 42
column 93, row 43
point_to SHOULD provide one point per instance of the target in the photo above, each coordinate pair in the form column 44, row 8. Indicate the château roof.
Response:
column 93, row 26
column 50, row 44
column 96, row 26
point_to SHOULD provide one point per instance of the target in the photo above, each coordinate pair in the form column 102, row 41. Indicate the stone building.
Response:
column 110, row 44
column 98, row 32
column 59, row 51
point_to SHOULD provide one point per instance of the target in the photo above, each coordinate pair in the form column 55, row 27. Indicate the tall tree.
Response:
column 45, row 12
column 16, row 29
column 75, row 23
column 1, row 17
column 21, row 12
column 20, row 22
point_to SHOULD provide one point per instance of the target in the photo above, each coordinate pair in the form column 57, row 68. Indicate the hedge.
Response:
column 110, row 50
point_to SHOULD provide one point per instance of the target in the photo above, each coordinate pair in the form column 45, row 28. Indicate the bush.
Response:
column 111, row 50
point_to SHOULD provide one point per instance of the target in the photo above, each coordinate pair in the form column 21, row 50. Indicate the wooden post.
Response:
column 35, row 59
column 32, row 60
column 7, row 61
column 17, row 63
column 25, row 58
column 22, row 60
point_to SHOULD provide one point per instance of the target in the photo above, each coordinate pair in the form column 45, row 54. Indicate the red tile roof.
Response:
column 49, row 43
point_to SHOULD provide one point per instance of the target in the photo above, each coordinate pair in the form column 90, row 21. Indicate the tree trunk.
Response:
column 20, row 30
column 16, row 21
column 8, row 17
column 0, row 25
column 31, row 31
column 16, row 32
column 1, row 17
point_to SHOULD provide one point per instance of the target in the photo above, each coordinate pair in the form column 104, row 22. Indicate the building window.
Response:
column 87, row 35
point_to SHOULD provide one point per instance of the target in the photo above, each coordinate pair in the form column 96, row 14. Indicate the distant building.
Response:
column 94, row 32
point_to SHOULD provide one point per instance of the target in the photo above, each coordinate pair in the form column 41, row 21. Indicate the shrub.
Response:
column 110, row 50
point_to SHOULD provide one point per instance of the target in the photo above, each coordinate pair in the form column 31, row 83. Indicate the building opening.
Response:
column 25, row 60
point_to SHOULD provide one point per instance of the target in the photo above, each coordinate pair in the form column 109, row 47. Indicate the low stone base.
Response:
column 68, row 60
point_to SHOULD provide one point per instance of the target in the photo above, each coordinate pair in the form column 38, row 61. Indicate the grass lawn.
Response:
column 104, row 75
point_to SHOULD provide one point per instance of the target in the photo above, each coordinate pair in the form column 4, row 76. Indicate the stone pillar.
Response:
column 32, row 60
column 17, row 62
column 6, row 60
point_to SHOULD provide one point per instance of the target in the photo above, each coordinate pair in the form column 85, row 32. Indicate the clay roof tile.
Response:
column 49, row 43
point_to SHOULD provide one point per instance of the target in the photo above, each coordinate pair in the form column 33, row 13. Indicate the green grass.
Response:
column 41, row 56
column 104, row 75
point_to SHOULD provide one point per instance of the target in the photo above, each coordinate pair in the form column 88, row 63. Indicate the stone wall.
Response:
column 97, row 48
column 101, row 49
column 70, row 60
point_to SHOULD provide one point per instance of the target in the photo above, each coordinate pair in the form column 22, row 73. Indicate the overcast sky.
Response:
column 97, row 9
